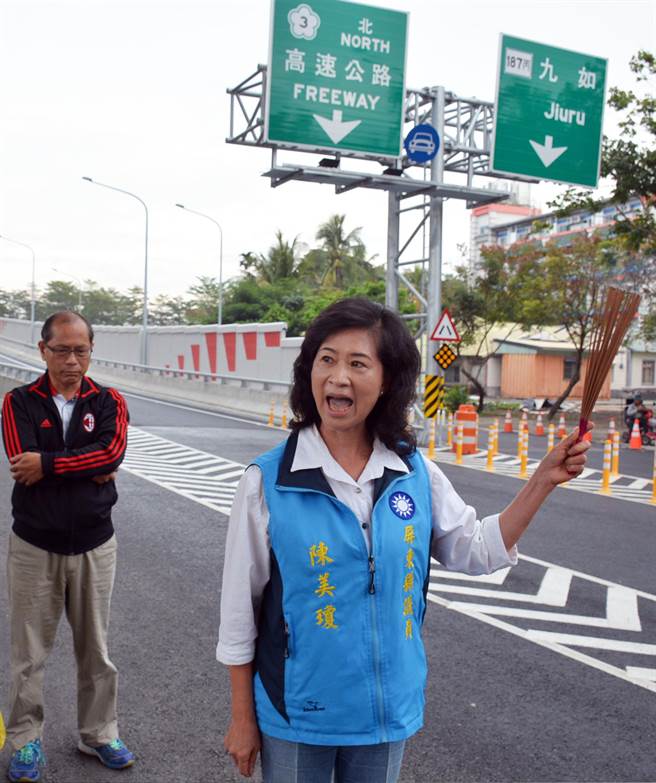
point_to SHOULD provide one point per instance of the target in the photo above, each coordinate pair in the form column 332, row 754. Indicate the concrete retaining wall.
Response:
column 246, row 350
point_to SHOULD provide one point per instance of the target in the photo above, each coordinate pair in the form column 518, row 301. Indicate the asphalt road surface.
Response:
column 544, row 673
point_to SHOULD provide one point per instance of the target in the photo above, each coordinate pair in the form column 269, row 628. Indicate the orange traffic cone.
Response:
column 636, row 438
column 562, row 427
column 539, row 426
column 507, row 424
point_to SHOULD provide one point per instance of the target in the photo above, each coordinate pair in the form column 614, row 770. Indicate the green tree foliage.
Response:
column 287, row 283
column 59, row 295
column 629, row 163
column 555, row 284
column 480, row 301
column 203, row 303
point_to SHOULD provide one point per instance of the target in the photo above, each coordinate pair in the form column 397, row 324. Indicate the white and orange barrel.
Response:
column 467, row 417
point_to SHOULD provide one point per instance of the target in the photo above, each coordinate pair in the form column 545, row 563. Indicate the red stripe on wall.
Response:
column 272, row 339
column 250, row 344
column 230, row 343
column 210, row 342
column 180, row 362
column 195, row 356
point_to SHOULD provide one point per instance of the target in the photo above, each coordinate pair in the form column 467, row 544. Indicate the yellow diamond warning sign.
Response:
column 445, row 356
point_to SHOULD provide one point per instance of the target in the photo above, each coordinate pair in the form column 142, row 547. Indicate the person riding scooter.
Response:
column 636, row 410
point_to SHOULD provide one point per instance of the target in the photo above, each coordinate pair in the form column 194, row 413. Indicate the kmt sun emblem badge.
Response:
column 88, row 422
column 402, row 505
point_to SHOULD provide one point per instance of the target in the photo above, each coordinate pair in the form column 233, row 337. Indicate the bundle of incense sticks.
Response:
column 610, row 326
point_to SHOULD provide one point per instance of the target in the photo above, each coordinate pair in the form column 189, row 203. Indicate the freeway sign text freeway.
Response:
column 336, row 77
column 549, row 110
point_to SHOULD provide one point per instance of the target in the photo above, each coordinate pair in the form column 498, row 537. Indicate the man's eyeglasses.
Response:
column 63, row 353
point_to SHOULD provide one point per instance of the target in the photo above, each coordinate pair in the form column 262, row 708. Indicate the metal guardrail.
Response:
column 17, row 371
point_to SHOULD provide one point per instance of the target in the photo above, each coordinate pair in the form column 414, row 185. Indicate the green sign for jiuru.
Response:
column 549, row 112
column 336, row 77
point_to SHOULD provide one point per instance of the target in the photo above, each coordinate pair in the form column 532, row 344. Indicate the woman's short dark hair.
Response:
column 397, row 353
column 63, row 317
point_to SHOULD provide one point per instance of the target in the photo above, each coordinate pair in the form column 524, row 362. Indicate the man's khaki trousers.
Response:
column 41, row 586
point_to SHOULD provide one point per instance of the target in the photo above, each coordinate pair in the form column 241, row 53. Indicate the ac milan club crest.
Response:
column 88, row 422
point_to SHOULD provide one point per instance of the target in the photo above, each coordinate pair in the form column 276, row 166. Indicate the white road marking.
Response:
column 211, row 481
column 553, row 590
column 641, row 672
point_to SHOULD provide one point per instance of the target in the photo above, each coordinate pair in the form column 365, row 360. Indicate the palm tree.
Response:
column 280, row 262
column 344, row 253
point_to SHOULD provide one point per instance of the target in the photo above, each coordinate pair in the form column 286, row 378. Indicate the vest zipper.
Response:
column 379, row 686
column 372, row 574
column 286, row 650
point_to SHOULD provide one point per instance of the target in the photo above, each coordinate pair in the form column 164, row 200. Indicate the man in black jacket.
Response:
column 65, row 437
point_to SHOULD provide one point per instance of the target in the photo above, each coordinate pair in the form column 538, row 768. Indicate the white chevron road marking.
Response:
column 621, row 612
column 553, row 591
column 211, row 481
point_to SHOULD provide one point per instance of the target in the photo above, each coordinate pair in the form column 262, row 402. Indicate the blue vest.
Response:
column 339, row 656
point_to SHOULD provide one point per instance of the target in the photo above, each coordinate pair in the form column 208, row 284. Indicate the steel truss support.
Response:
column 465, row 128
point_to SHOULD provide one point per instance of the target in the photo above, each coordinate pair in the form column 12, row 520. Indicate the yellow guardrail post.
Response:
column 605, row 476
column 615, row 466
column 431, row 439
column 283, row 418
column 449, row 430
column 653, row 481
column 551, row 437
column 523, row 455
column 272, row 413
column 459, row 441
column 490, row 449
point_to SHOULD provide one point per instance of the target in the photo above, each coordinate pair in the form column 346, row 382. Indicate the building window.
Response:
column 569, row 367
column 452, row 374
column 647, row 372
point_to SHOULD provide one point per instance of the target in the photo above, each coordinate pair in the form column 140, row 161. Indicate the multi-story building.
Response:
column 561, row 229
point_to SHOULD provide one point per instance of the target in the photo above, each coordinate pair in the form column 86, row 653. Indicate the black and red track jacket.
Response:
column 66, row 512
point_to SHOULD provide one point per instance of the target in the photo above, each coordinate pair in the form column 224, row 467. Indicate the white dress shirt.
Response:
column 461, row 542
column 65, row 408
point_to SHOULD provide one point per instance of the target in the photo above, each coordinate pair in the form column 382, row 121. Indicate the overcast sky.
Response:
column 133, row 94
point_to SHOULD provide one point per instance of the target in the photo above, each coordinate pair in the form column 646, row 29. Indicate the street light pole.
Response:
column 144, row 327
column 218, row 225
column 79, row 285
column 33, row 296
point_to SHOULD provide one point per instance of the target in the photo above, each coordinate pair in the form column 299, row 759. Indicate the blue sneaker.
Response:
column 113, row 755
column 26, row 763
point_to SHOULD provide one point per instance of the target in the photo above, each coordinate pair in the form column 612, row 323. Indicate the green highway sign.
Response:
column 549, row 110
column 336, row 77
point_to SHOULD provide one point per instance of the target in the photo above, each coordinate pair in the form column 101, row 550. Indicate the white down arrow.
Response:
column 546, row 152
column 336, row 128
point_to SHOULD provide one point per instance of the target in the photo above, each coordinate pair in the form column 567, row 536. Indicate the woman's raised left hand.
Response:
column 565, row 461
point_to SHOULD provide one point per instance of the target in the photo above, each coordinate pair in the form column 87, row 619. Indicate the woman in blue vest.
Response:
column 328, row 558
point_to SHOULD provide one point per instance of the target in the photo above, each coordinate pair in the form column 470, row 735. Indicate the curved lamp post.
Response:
column 33, row 296
column 144, row 328
column 218, row 225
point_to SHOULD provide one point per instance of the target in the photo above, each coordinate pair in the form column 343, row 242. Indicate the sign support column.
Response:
column 435, row 234
column 391, row 278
